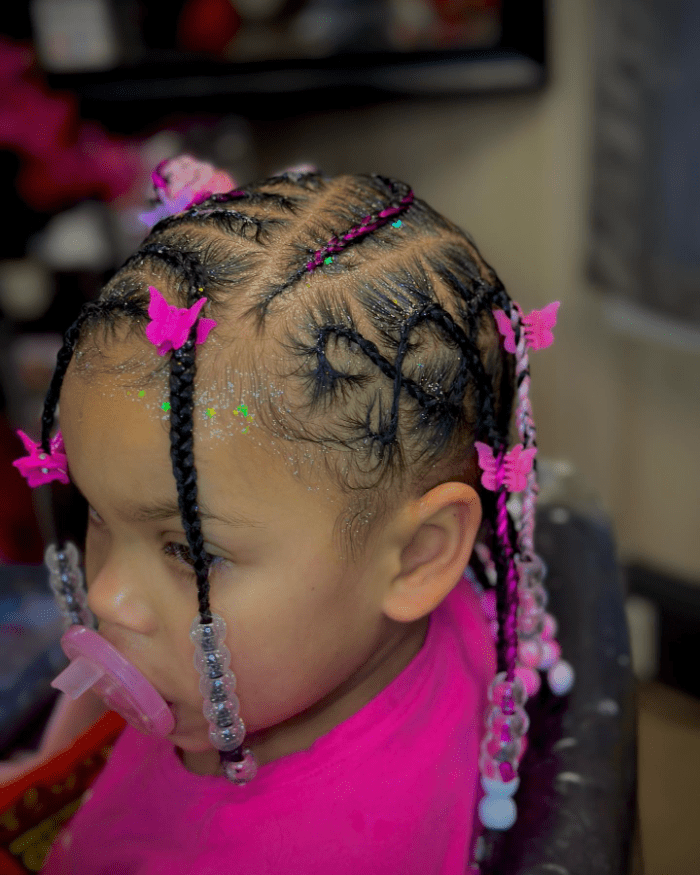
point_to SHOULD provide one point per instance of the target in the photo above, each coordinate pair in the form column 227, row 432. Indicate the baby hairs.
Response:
column 407, row 361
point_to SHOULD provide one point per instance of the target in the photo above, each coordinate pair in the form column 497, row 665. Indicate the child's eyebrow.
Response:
column 160, row 511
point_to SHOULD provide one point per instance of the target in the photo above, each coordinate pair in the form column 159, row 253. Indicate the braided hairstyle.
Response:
column 381, row 312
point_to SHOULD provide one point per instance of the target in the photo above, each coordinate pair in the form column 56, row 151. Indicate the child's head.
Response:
column 320, row 441
column 378, row 365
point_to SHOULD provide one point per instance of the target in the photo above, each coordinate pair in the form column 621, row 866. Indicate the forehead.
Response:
column 116, row 425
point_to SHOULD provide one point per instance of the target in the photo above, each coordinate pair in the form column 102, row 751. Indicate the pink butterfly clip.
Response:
column 170, row 325
column 537, row 326
column 512, row 471
column 39, row 467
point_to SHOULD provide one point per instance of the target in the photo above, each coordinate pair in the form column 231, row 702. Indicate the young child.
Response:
column 289, row 413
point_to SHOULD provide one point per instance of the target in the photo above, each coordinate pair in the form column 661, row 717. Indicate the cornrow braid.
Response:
column 283, row 202
column 367, row 226
column 186, row 262
column 338, row 244
column 226, row 220
column 215, row 210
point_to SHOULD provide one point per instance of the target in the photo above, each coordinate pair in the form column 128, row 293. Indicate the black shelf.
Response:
column 164, row 81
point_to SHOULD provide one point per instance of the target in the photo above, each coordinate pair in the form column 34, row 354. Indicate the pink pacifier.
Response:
column 96, row 664
column 94, row 661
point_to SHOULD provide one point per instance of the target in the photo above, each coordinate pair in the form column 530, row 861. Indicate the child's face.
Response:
column 302, row 620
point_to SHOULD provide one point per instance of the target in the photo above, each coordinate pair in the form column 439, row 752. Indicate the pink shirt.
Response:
column 393, row 789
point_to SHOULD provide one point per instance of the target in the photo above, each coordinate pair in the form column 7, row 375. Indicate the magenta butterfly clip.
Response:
column 537, row 327
column 170, row 325
column 512, row 471
column 39, row 467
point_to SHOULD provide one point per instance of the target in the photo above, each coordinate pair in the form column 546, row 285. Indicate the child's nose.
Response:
column 118, row 594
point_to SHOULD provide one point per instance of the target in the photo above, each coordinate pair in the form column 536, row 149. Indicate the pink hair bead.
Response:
column 502, row 751
column 530, row 652
column 551, row 651
column 532, row 599
column 497, row 769
column 502, row 693
column 517, row 723
column 530, row 625
column 550, row 628
column 244, row 771
column 530, row 679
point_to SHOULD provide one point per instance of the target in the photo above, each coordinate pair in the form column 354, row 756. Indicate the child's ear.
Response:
column 437, row 536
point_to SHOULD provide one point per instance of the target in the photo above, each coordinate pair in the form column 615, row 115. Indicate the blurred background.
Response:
column 563, row 136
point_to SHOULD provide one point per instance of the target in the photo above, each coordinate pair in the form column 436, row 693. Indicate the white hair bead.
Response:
column 497, row 812
column 561, row 678
column 500, row 788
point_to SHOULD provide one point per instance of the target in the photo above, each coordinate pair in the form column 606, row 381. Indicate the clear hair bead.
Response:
column 68, row 585
column 221, row 707
column 502, row 691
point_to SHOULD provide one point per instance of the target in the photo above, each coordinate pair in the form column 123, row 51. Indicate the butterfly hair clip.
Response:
column 537, row 327
column 511, row 470
column 40, row 467
column 170, row 326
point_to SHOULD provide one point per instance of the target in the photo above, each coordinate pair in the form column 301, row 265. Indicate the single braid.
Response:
column 526, row 430
column 504, row 553
column 369, row 224
column 182, row 374
column 228, row 220
column 182, row 371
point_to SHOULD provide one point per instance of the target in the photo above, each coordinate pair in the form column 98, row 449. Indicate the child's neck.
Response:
column 204, row 763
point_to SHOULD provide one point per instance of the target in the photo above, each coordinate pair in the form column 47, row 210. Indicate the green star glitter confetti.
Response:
column 328, row 260
column 242, row 409
column 210, row 412
column 166, row 406
column 397, row 224
column 142, row 393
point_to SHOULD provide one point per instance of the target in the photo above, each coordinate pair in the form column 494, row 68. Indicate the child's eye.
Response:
column 181, row 553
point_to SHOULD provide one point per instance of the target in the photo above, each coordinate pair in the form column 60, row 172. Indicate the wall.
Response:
column 514, row 171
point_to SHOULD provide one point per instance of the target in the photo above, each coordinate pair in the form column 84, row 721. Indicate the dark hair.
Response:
column 381, row 310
